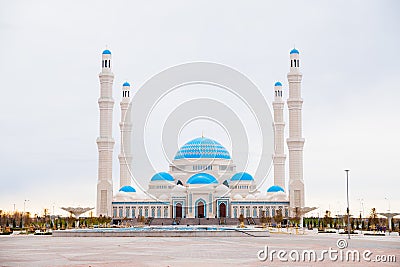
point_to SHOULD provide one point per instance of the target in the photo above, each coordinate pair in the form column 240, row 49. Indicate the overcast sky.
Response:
column 50, row 56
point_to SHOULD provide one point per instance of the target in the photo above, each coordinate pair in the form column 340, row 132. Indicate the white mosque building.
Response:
column 202, row 180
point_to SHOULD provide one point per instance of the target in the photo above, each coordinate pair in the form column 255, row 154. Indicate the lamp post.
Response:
column 387, row 198
column 348, row 208
column 23, row 214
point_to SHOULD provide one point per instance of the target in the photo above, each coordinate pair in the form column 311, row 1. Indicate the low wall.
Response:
column 169, row 233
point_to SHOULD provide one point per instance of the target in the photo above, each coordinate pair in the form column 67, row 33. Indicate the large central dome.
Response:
column 202, row 148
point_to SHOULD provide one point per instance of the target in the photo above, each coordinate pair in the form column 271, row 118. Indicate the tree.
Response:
column 241, row 220
column 296, row 218
column 278, row 218
column 263, row 219
column 327, row 219
column 373, row 218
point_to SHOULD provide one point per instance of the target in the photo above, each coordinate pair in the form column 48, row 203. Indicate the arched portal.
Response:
column 178, row 210
column 222, row 210
column 200, row 209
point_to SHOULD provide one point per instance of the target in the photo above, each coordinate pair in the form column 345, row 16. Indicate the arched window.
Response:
column 109, row 63
column 158, row 212
column 105, row 64
column 165, row 212
column 133, row 212
column 291, row 63
column 298, row 63
column 102, row 63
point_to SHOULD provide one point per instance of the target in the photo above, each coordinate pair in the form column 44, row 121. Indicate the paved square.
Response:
column 145, row 251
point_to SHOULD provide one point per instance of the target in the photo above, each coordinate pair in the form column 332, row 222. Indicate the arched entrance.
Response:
column 222, row 210
column 178, row 210
column 200, row 209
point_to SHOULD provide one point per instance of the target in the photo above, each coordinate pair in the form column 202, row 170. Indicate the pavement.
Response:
column 20, row 250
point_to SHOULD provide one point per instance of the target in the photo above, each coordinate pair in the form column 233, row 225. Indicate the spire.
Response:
column 125, row 156
column 279, row 157
column 106, row 61
column 105, row 141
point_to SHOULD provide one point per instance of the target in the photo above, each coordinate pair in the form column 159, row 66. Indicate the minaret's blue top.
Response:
column 278, row 84
column 294, row 51
column 126, row 84
column 106, row 52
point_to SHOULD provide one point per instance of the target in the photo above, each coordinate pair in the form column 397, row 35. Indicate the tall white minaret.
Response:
column 295, row 141
column 105, row 142
column 125, row 157
column 279, row 131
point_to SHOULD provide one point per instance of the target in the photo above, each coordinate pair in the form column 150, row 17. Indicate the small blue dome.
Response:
column 106, row 52
column 294, row 51
column 278, row 84
column 126, row 84
column 202, row 178
column 202, row 148
column 162, row 176
column 242, row 176
column 275, row 188
column 127, row 188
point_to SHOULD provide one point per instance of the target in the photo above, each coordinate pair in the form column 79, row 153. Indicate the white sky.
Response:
column 50, row 56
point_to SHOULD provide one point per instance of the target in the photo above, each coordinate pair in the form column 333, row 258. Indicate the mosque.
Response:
column 202, row 180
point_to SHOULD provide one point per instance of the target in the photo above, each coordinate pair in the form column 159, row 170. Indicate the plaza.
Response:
column 181, row 251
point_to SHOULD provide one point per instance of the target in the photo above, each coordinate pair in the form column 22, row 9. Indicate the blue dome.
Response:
column 242, row 176
column 202, row 148
column 202, row 178
column 127, row 188
column 162, row 176
column 294, row 51
column 275, row 188
column 106, row 52
column 278, row 84
column 126, row 84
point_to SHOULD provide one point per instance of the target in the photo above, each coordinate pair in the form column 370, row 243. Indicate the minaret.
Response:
column 279, row 131
column 295, row 141
column 125, row 157
column 105, row 142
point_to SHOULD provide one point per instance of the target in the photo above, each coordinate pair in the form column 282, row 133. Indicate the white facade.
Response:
column 105, row 142
column 125, row 125
column 279, row 135
column 202, row 180
column 295, row 141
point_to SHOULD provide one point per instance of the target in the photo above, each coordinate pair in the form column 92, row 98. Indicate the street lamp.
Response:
column 348, row 206
column 23, row 214
column 387, row 198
